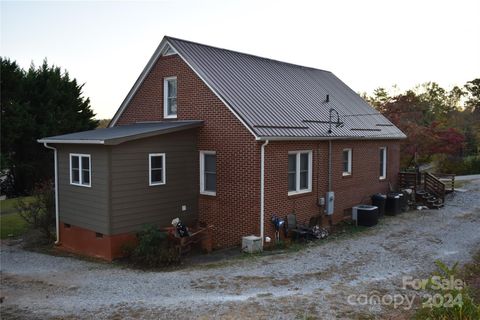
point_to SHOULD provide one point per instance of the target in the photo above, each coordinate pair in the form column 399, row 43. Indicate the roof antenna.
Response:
column 338, row 123
column 328, row 98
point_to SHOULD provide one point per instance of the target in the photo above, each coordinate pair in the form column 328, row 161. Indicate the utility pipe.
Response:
column 329, row 165
column 262, row 190
column 57, row 223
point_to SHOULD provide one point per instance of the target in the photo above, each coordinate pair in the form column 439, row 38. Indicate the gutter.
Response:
column 57, row 222
column 273, row 138
column 262, row 191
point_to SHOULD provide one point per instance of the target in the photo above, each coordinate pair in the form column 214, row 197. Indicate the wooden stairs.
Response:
column 429, row 190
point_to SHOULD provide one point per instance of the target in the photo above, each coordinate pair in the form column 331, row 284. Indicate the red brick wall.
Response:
column 349, row 190
column 234, row 211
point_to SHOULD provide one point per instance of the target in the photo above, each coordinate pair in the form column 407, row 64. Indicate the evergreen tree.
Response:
column 40, row 102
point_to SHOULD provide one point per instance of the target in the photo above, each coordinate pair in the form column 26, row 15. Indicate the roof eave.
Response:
column 78, row 141
column 323, row 138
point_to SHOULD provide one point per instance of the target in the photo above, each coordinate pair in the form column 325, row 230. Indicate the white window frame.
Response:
column 349, row 162
column 202, row 173
column 80, row 170
column 165, row 98
column 297, row 172
column 164, row 169
column 383, row 176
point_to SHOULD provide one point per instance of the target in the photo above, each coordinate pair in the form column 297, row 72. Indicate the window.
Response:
column 80, row 169
column 347, row 162
column 157, row 169
column 170, row 97
column 299, row 172
column 208, row 173
column 383, row 162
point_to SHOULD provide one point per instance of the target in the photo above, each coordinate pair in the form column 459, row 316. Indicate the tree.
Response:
column 40, row 102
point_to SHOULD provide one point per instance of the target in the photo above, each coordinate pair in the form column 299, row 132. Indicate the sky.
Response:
column 368, row 44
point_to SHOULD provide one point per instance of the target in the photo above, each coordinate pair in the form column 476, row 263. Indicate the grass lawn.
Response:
column 10, row 221
column 12, row 224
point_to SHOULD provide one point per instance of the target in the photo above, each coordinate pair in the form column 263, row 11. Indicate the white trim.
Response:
column 262, row 191
column 202, row 173
column 168, row 51
column 57, row 221
column 146, row 71
column 384, row 167
column 71, row 141
column 166, row 115
column 349, row 162
column 80, row 170
column 297, row 172
column 320, row 138
column 164, row 169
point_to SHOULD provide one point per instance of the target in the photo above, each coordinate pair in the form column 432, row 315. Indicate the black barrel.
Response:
column 392, row 205
column 379, row 201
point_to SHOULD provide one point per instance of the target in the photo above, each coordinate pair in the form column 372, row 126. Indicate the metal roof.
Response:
column 281, row 100
column 120, row 134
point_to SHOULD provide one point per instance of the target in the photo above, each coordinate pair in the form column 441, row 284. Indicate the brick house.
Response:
column 224, row 138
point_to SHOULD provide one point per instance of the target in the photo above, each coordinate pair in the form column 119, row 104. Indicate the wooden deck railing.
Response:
column 448, row 180
column 408, row 180
column 434, row 186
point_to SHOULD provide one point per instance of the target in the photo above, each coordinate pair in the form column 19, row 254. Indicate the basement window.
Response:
column 157, row 170
column 80, row 169
column 208, row 173
column 98, row 235
column 170, row 98
column 383, row 163
column 347, row 162
column 67, row 225
column 299, row 172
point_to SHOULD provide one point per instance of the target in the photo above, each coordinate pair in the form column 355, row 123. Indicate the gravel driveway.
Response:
column 315, row 282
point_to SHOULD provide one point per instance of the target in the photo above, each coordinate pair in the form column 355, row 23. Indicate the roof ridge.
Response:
column 247, row 54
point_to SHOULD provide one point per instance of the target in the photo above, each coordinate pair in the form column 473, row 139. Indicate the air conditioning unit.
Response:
column 252, row 244
column 365, row 215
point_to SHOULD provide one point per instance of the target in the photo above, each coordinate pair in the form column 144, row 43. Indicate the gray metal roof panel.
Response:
column 267, row 92
column 123, row 133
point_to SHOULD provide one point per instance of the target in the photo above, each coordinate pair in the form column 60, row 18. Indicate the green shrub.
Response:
column 38, row 211
column 455, row 303
column 154, row 249
column 457, row 165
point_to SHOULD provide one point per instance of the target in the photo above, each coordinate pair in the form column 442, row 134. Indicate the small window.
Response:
column 170, row 97
column 347, row 162
column 98, row 235
column 157, row 169
column 80, row 169
column 299, row 172
column 67, row 225
column 208, row 173
column 383, row 163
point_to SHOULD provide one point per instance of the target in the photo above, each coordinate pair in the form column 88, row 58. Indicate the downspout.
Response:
column 329, row 165
column 262, row 191
column 57, row 223
column 330, row 221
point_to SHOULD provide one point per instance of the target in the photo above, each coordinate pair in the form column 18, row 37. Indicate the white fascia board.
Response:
column 71, row 141
column 327, row 138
